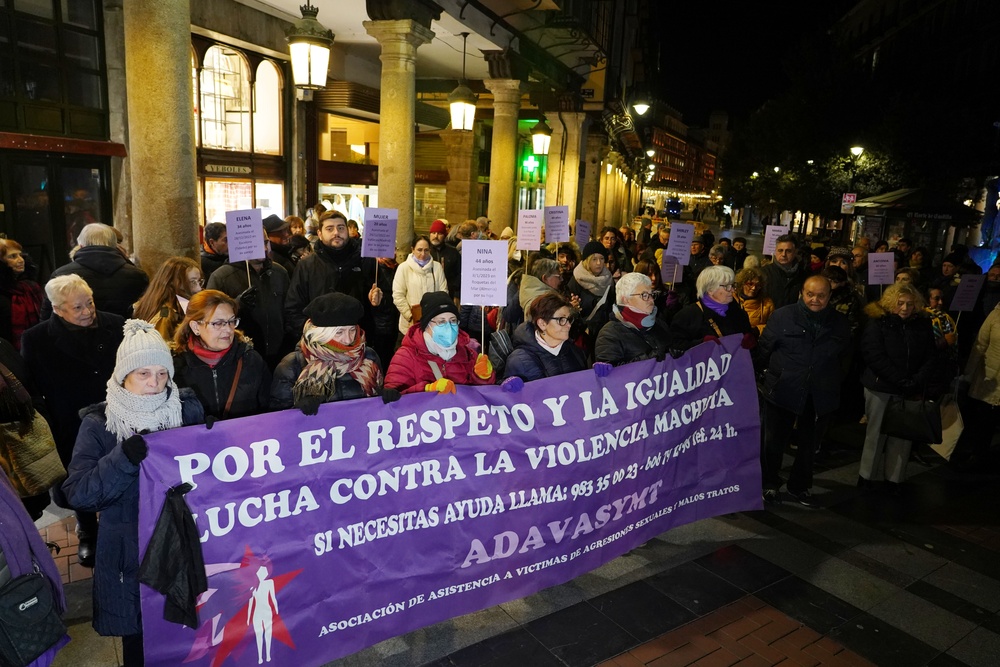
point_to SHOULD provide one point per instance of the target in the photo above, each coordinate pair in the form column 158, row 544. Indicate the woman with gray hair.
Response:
column 715, row 314
column 635, row 332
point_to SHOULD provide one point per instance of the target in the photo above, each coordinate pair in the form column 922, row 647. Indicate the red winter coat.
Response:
column 410, row 370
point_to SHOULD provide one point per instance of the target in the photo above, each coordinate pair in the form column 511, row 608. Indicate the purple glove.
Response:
column 602, row 369
column 512, row 385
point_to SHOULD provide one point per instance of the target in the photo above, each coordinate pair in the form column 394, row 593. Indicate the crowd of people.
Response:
column 109, row 354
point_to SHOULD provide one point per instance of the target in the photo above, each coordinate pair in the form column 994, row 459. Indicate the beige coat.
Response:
column 411, row 282
column 983, row 367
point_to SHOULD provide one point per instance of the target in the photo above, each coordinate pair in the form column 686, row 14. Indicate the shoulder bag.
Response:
column 915, row 420
column 28, row 456
column 29, row 619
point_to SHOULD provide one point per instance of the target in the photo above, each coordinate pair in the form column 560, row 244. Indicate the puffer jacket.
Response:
column 983, row 367
column 116, row 282
column 411, row 282
column 900, row 355
column 801, row 356
column 287, row 373
column 212, row 385
column 620, row 342
column 410, row 370
column 529, row 361
column 265, row 324
column 102, row 479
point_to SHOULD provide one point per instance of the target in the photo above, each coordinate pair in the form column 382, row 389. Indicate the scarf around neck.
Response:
column 210, row 357
column 445, row 353
column 713, row 305
column 596, row 285
column 327, row 361
column 128, row 413
column 554, row 351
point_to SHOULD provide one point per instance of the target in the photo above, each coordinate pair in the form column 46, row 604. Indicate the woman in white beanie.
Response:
column 104, row 472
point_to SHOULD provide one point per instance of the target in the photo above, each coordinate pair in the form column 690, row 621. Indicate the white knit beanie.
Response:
column 142, row 346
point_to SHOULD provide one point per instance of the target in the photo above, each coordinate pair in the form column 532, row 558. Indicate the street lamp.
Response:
column 650, row 152
column 640, row 104
column 541, row 136
column 462, row 100
column 309, row 43
column 856, row 151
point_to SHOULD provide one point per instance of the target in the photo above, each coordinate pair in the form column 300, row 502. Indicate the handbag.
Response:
column 29, row 620
column 28, row 456
column 918, row 420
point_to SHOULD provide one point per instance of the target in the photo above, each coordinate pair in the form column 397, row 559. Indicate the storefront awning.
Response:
column 916, row 204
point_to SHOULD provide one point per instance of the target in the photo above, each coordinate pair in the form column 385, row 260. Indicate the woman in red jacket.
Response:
column 435, row 355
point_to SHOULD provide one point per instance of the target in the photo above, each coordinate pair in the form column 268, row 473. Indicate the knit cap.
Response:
column 141, row 346
column 433, row 304
column 594, row 248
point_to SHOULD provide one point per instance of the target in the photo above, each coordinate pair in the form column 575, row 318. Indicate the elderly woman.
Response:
column 435, row 356
column 541, row 347
column 332, row 362
column 69, row 358
column 717, row 255
column 165, row 302
column 104, row 474
column 594, row 285
column 217, row 361
column 749, row 291
column 901, row 359
column 712, row 316
column 18, row 292
column 636, row 332
column 418, row 275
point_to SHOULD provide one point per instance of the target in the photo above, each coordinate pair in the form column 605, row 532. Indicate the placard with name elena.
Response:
column 245, row 231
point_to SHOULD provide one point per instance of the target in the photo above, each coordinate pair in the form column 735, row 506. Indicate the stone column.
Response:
column 605, row 204
column 502, row 206
column 161, row 130
column 462, row 162
column 567, row 176
column 593, row 163
column 399, row 40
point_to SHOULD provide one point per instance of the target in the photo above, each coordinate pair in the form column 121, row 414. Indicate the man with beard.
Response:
column 448, row 257
column 279, row 233
column 215, row 249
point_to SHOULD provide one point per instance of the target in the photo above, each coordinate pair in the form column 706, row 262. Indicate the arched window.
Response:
column 225, row 100
column 267, row 109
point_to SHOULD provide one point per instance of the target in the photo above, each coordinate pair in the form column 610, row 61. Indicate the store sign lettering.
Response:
column 227, row 169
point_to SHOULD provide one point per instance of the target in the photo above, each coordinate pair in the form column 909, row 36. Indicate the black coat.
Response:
column 620, row 342
column 265, row 323
column 530, row 362
column 329, row 270
column 690, row 326
column 801, row 357
column 451, row 261
column 69, row 367
column 116, row 282
column 211, row 262
column 288, row 371
column 900, row 355
column 781, row 286
column 212, row 385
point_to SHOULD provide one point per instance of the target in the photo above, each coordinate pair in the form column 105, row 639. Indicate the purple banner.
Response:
column 325, row 534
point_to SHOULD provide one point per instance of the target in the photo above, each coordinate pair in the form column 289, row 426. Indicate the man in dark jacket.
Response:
column 784, row 276
column 335, row 266
column 800, row 352
column 215, row 249
column 449, row 258
column 279, row 233
column 117, row 282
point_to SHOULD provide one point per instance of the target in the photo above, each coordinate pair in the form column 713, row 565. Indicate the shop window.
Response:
column 226, row 195
column 267, row 110
column 225, row 100
column 270, row 198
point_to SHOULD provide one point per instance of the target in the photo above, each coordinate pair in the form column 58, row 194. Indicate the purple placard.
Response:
column 529, row 230
column 881, row 267
column 366, row 521
column 245, row 231
column 967, row 292
column 380, row 232
column 582, row 234
column 671, row 271
column 679, row 246
column 771, row 237
column 556, row 224
column 484, row 273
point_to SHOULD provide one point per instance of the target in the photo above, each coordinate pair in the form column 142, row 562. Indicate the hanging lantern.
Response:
column 541, row 136
column 309, row 43
column 462, row 100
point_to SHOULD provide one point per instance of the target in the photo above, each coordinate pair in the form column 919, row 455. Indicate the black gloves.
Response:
column 390, row 395
column 210, row 421
column 248, row 299
column 309, row 405
column 135, row 449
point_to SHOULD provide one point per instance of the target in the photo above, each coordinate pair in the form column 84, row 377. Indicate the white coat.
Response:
column 412, row 281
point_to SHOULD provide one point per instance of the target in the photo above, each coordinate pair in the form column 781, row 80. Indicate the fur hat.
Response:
column 595, row 248
column 141, row 346
column 334, row 310
column 433, row 304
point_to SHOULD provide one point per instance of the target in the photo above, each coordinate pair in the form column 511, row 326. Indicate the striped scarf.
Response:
column 327, row 361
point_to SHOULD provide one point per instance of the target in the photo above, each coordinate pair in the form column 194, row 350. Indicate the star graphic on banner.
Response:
column 230, row 585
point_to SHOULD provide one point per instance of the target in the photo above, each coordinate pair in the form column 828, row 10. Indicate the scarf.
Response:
column 554, row 351
column 596, row 285
column 327, row 361
column 713, row 305
column 445, row 353
column 641, row 321
column 128, row 413
column 210, row 357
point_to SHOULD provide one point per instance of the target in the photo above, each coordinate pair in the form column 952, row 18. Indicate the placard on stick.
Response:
column 679, row 246
column 582, row 233
column 380, row 232
column 529, row 230
column 245, row 231
column 771, row 237
column 671, row 270
column 556, row 224
column 484, row 273
column 967, row 292
column 880, row 268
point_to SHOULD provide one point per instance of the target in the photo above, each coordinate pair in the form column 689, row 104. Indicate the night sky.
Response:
column 730, row 57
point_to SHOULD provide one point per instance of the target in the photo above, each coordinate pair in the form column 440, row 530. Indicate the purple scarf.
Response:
column 716, row 307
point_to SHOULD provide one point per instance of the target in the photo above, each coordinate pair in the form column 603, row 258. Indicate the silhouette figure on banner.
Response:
column 259, row 610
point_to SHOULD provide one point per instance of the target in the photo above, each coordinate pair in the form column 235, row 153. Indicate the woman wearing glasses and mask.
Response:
column 217, row 361
column 636, row 332
column 541, row 346
column 715, row 314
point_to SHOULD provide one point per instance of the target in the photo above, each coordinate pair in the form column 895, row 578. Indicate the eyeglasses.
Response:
column 562, row 321
column 645, row 296
column 200, row 282
column 448, row 320
column 727, row 286
column 219, row 325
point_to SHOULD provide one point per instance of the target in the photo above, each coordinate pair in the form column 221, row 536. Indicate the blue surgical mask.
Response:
column 446, row 334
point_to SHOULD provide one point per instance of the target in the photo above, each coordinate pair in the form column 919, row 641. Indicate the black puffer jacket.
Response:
column 211, row 262
column 900, row 355
column 800, row 352
column 116, row 282
column 329, row 270
column 620, row 342
column 530, row 362
column 690, row 326
column 265, row 324
column 783, row 286
column 212, row 385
